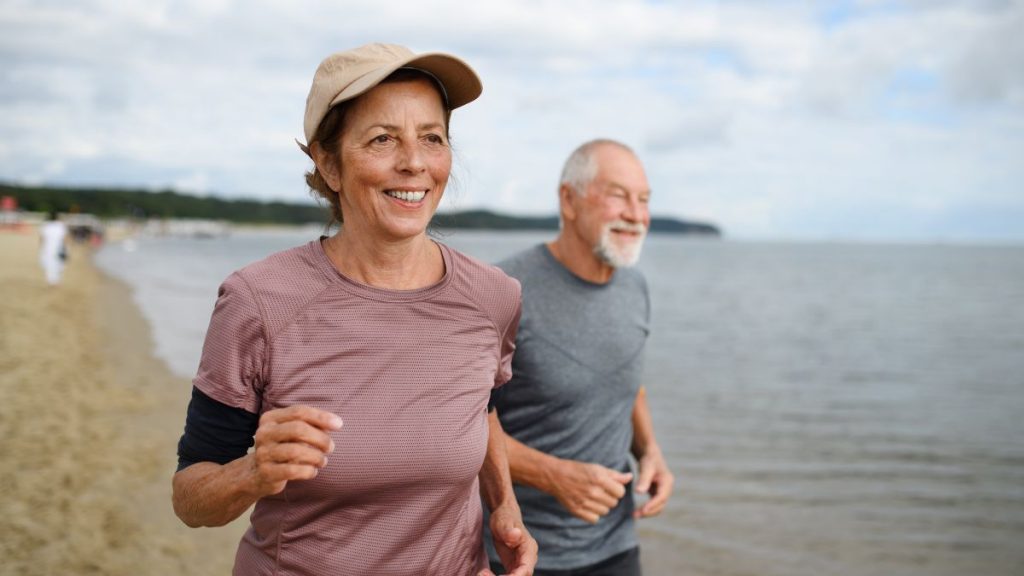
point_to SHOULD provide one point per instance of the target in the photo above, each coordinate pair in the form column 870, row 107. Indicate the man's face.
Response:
column 613, row 215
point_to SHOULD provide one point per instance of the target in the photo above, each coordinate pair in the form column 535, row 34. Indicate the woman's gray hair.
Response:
column 581, row 167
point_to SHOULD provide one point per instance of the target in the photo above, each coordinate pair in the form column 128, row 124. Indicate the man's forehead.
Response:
column 614, row 184
column 621, row 168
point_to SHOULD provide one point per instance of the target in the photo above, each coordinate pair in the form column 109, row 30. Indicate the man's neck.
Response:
column 579, row 258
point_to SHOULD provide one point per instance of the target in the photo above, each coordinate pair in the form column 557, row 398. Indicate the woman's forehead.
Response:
column 417, row 98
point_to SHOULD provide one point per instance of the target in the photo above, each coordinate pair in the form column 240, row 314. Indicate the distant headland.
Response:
column 167, row 204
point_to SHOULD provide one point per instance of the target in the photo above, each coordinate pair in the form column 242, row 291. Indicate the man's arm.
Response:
column 654, row 476
column 515, row 546
column 588, row 491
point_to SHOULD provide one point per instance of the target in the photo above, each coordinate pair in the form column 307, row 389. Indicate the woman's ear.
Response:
column 328, row 166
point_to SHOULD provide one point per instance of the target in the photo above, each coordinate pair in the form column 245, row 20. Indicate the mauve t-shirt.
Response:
column 408, row 371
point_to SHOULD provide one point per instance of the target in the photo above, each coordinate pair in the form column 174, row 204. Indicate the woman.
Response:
column 361, row 364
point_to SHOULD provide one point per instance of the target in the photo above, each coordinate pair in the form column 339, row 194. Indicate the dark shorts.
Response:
column 624, row 564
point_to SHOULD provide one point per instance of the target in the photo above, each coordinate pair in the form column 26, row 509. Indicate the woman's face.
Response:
column 395, row 160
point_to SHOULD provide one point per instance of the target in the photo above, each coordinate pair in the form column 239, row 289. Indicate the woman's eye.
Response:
column 435, row 139
column 382, row 139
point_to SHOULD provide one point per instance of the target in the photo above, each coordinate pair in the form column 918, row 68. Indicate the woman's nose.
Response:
column 410, row 157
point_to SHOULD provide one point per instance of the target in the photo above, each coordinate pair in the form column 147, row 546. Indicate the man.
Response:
column 575, row 409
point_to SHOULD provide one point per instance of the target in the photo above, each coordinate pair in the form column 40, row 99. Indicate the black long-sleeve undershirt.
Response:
column 215, row 432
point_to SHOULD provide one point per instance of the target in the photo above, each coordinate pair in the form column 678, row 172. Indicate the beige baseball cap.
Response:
column 345, row 75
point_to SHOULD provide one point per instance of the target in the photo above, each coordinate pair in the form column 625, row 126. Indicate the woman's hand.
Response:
column 516, row 548
column 291, row 444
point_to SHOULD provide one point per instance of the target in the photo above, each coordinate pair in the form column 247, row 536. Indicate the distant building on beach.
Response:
column 186, row 227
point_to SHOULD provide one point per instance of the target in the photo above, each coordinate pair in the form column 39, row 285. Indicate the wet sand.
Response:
column 89, row 424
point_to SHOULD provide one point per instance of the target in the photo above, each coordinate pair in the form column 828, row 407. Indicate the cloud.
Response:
column 690, row 129
column 990, row 67
column 768, row 119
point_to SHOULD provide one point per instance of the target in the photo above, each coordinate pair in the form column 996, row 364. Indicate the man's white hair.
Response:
column 581, row 167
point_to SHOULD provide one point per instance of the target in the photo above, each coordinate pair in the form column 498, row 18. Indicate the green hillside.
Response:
column 126, row 203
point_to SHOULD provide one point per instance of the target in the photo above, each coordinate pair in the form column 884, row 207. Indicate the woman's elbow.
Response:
column 182, row 499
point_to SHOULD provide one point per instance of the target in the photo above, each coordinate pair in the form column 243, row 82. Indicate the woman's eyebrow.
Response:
column 396, row 128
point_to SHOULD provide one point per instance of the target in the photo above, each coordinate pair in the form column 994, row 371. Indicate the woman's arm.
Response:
column 210, row 494
column 515, row 546
column 291, row 444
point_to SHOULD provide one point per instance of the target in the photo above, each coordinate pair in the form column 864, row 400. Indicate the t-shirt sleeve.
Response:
column 231, row 364
column 508, row 338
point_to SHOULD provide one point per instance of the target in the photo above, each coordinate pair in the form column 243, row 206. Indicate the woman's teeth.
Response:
column 407, row 196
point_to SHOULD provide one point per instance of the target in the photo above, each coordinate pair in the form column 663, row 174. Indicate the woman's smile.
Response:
column 407, row 196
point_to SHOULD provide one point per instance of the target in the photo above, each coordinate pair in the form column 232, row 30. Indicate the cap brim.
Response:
column 461, row 84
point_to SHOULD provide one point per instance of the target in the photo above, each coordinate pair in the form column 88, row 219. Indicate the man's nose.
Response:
column 635, row 209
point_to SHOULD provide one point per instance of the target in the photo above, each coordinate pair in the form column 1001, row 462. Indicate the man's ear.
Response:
column 328, row 166
column 567, row 198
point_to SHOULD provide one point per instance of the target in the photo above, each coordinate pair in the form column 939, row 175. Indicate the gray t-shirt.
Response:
column 575, row 375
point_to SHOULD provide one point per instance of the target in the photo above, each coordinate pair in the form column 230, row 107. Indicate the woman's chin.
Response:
column 405, row 228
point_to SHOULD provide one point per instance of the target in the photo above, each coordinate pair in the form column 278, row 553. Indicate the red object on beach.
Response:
column 9, row 214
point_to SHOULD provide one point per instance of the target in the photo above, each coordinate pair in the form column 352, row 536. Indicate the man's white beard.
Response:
column 618, row 252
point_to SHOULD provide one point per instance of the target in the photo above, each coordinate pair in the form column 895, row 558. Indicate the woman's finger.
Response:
column 291, row 453
column 313, row 416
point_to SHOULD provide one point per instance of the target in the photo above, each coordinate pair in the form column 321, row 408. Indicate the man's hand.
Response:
column 588, row 491
column 516, row 548
column 656, row 479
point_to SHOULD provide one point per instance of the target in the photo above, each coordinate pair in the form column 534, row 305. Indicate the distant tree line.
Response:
column 126, row 203
column 484, row 219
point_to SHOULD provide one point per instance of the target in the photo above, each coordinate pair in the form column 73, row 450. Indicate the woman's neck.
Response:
column 406, row 264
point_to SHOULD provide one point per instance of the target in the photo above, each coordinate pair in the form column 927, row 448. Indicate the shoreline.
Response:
column 90, row 423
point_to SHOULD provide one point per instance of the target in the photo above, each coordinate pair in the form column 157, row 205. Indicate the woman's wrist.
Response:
column 252, row 485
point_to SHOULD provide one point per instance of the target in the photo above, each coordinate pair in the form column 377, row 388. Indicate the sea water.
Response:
column 827, row 408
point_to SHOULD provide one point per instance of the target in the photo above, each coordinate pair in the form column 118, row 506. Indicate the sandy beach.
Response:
column 89, row 426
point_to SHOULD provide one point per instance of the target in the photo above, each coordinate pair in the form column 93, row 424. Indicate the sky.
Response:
column 862, row 120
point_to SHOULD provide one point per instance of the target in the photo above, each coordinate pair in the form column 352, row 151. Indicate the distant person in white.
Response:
column 52, row 247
